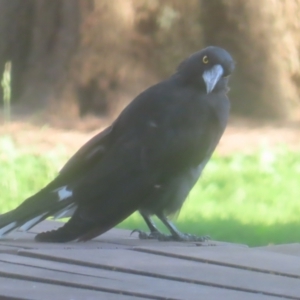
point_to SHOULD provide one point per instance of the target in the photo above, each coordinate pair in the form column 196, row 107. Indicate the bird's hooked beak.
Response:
column 212, row 76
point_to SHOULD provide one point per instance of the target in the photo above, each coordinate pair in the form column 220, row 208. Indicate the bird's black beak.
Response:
column 212, row 76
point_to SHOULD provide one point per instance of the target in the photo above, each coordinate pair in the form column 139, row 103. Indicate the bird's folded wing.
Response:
column 127, row 174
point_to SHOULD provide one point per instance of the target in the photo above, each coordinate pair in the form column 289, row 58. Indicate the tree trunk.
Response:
column 79, row 57
column 263, row 36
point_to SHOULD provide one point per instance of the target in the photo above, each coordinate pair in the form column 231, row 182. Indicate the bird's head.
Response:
column 208, row 68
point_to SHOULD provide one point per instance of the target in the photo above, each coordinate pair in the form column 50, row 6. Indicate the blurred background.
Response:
column 68, row 67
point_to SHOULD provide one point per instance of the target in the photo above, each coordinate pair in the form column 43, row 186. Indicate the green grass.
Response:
column 252, row 199
column 22, row 174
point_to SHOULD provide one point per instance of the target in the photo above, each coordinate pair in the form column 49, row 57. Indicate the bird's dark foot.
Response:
column 154, row 235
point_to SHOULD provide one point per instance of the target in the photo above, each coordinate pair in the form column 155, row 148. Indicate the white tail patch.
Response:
column 29, row 224
column 6, row 229
column 63, row 193
column 66, row 212
column 153, row 124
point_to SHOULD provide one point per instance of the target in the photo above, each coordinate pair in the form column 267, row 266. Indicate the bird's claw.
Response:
column 142, row 234
column 134, row 231
column 154, row 235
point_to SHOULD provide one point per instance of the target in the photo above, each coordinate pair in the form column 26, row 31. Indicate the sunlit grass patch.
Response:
column 252, row 199
column 22, row 174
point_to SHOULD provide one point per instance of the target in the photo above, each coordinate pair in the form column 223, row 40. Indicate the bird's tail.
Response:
column 36, row 208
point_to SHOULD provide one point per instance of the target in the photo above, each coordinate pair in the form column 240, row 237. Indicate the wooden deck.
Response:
column 117, row 266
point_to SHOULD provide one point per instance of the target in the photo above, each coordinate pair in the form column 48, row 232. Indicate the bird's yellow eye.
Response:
column 205, row 59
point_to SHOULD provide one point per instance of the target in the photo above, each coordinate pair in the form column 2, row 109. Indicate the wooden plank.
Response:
column 114, row 233
column 30, row 243
column 247, row 258
column 8, row 249
column 31, row 290
column 16, row 235
column 133, row 242
column 107, row 279
column 291, row 249
column 8, row 270
column 123, row 237
column 176, row 269
column 26, row 241
column 48, row 225
column 115, row 238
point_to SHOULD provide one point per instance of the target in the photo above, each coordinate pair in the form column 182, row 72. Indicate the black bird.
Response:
column 147, row 160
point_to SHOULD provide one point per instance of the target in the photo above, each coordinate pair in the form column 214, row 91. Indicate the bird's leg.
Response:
column 154, row 232
column 176, row 235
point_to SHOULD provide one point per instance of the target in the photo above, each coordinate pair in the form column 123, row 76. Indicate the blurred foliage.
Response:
column 6, row 86
column 251, row 199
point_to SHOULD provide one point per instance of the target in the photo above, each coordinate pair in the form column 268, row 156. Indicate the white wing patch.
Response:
column 7, row 228
column 63, row 193
column 32, row 222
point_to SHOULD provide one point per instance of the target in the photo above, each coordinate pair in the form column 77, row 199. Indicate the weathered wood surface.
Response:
column 119, row 266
